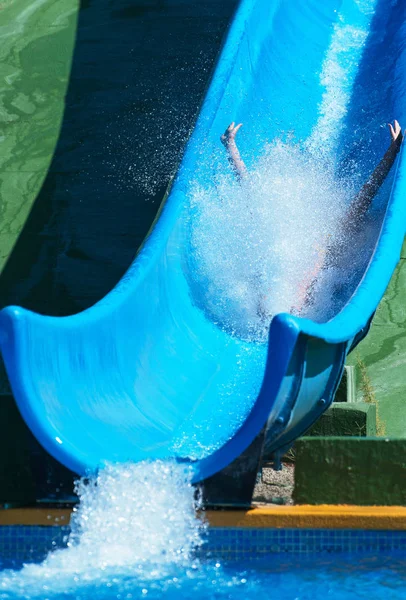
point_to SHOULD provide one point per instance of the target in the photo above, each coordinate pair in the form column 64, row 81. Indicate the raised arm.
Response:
column 233, row 154
column 363, row 199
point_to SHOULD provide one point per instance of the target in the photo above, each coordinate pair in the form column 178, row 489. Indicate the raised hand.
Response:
column 362, row 201
column 228, row 136
column 395, row 132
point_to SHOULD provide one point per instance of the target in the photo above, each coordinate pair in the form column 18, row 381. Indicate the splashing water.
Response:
column 134, row 535
column 255, row 245
column 136, row 514
column 134, row 520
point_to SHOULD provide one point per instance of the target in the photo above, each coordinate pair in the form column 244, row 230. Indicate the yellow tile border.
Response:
column 313, row 517
column 304, row 517
column 35, row 516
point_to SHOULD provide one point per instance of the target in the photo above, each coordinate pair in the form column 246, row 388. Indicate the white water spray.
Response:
column 256, row 246
column 132, row 520
column 261, row 247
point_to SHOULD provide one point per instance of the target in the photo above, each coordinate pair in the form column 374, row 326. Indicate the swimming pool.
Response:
column 249, row 563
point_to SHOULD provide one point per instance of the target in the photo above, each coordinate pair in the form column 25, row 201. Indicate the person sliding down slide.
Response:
column 354, row 215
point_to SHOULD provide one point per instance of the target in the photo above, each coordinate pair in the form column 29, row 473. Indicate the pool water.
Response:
column 292, row 577
column 135, row 534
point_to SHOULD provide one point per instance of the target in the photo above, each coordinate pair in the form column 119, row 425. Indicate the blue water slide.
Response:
column 149, row 372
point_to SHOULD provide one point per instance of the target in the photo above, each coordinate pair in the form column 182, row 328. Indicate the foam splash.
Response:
column 133, row 521
column 257, row 246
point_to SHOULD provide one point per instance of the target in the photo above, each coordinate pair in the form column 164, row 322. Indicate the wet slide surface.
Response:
column 176, row 361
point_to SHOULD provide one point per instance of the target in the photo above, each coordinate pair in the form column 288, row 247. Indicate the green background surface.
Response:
column 380, row 359
column 350, row 470
column 36, row 46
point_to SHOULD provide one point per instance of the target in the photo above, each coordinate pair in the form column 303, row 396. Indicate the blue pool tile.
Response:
column 33, row 542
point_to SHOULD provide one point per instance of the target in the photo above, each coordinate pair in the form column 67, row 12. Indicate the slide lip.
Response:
column 12, row 344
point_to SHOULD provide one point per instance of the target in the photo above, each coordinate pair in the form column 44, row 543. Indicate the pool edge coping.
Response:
column 300, row 517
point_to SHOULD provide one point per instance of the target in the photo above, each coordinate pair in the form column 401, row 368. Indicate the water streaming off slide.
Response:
column 134, row 520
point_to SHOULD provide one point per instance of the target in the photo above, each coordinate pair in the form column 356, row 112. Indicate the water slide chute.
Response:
column 152, row 371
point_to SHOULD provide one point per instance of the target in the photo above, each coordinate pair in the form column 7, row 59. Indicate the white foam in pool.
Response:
column 133, row 520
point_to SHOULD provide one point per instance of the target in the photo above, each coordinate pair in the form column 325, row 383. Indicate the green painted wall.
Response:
column 380, row 359
column 350, row 470
column 346, row 418
column 36, row 46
